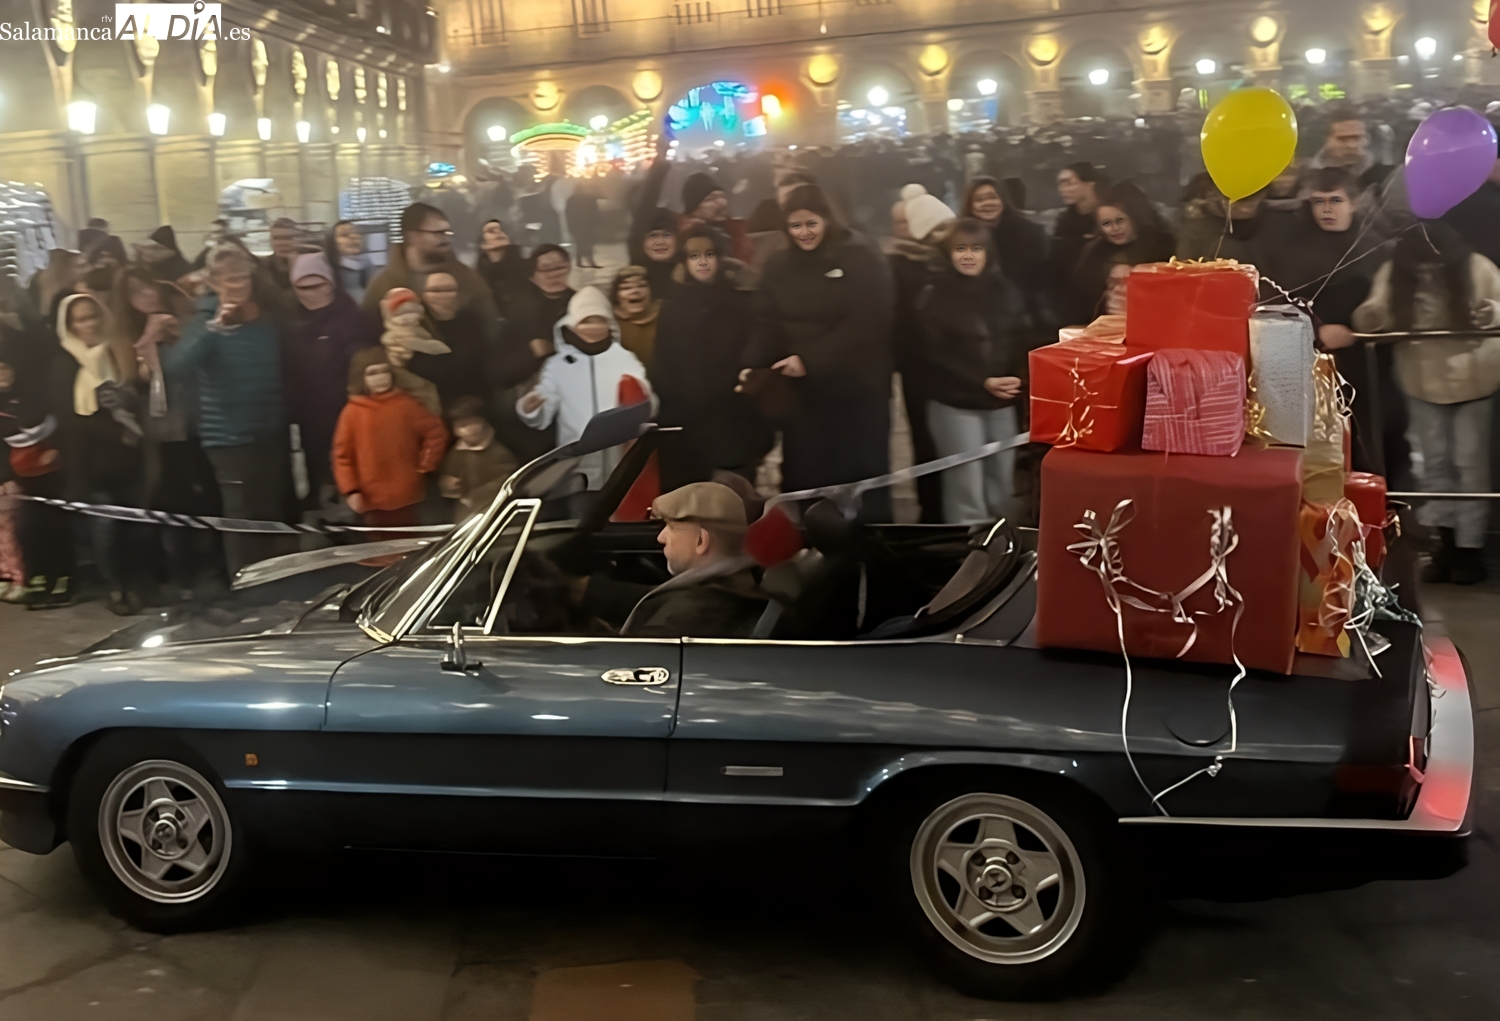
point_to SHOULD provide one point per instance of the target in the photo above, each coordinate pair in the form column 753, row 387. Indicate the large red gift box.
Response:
column 1203, row 305
column 1088, row 394
column 1195, row 403
column 1165, row 547
column 1367, row 492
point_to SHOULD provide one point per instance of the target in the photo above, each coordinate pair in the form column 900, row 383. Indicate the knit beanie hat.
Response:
column 590, row 301
column 311, row 264
column 924, row 212
column 697, row 188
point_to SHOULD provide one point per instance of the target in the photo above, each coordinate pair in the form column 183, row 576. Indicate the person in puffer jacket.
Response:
column 584, row 378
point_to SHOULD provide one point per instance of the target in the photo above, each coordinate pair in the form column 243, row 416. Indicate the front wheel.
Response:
column 1008, row 898
column 153, row 836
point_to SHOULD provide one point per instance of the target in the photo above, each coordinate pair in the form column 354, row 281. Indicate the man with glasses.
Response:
column 426, row 247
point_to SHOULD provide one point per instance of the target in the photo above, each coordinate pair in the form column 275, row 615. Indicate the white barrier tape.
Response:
column 141, row 516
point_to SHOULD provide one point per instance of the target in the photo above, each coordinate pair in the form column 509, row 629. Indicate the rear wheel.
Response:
column 1007, row 893
column 152, row 834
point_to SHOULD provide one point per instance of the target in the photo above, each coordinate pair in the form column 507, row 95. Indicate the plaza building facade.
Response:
column 310, row 95
column 923, row 65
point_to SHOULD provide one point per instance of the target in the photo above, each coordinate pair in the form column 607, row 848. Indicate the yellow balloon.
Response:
column 1249, row 138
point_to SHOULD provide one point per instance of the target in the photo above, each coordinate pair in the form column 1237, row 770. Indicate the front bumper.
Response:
column 26, row 821
column 1443, row 802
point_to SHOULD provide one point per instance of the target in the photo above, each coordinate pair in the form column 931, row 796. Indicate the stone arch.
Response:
column 971, row 67
column 1081, row 98
column 104, row 74
column 491, row 111
column 580, row 106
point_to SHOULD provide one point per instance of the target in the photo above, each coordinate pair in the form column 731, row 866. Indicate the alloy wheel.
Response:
column 164, row 831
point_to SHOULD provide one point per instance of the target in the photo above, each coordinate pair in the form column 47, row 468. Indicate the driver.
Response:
column 712, row 592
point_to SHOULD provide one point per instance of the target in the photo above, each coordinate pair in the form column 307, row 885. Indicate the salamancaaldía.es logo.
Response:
column 193, row 22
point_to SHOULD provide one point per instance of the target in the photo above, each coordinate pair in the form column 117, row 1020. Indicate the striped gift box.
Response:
column 1195, row 402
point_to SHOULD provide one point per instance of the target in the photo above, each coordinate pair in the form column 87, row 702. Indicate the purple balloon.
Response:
column 1450, row 156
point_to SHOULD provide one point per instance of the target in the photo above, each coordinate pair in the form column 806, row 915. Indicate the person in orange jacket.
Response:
column 385, row 442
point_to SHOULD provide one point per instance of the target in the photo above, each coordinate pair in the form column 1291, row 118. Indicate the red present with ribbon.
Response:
column 1367, row 492
column 1088, row 394
column 1202, row 305
column 1197, row 555
column 1195, row 403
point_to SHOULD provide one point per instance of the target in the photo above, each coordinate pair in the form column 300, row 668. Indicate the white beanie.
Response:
column 589, row 301
column 924, row 212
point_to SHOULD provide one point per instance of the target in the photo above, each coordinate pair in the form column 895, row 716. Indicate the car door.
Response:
column 534, row 743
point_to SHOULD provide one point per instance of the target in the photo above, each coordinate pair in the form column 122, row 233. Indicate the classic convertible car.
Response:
column 465, row 698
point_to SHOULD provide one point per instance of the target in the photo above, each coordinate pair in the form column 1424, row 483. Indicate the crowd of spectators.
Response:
column 770, row 306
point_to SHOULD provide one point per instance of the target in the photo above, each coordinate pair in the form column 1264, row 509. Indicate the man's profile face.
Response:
column 433, row 241
column 283, row 243
column 683, row 543
column 1348, row 142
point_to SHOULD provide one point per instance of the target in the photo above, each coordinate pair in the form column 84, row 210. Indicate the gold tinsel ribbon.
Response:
column 1080, row 423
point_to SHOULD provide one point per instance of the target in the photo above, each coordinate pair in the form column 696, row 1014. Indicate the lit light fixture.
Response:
column 719, row 143
column 333, row 129
column 770, row 105
column 893, row 111
column 1458, row 56
column 1316, row 55
column 793, row 146
column 81, row 117
column 599, row 122
column 263, row 128
column 382, row 132
column 496, row 132
column 216, row 124
column 1426, row 47
column 1206, row 66
column 955, row 105
column 1098, row 76
column 158, row 118
column 304, row 131
column 444, row 67
column 878, row 96
column 359, row 134
column 987, row 86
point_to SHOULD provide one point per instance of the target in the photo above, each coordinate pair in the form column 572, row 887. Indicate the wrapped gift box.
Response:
column 1166, row 546
column 1281, row 375
column 1367, row 492
column 1088, row 394
column 1195, row 403
column 1203, row 305
column 1107, row 328
column 1325, row 594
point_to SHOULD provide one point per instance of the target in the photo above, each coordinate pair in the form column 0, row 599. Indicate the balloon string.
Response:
column 1385, row 196
column 1228, row 225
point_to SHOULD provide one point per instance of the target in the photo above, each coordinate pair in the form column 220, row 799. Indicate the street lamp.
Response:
column 987, row 86
column 1426, row 47
column 1206, row 66
column 304, row 132
column 878, row 96
column 1316, row 55
column 216, row 124
column 1098, row 76
column 496, row 132
column 263, row 128
column 81, row 117
column 599, row 122
column 158, row 118
column 359, row 135
column 955, row 105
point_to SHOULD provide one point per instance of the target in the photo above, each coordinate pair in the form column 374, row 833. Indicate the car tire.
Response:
column 153, row 835
column 1006, row 887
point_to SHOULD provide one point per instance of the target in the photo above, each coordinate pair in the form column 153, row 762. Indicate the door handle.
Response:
column 641, row 676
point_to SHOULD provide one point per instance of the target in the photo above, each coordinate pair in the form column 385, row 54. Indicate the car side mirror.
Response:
column 611, row 428
column 456, row 660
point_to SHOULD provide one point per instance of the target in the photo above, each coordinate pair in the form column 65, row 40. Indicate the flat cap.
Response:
column 707, row 503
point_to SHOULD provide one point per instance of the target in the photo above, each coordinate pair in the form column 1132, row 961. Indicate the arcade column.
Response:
column 239, row 159
column 320, row 188
column 45, row 158
column 284, row 168
column 184, row 163
column 119, row 183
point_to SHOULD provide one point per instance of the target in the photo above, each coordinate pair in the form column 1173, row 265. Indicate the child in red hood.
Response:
column 385, row 442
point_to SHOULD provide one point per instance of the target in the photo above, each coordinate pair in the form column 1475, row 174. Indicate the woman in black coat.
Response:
column 701, row 339
column 1020, row 246
column 1130, row 233
column 501, row 265
column 976, row 331
column 823, row 332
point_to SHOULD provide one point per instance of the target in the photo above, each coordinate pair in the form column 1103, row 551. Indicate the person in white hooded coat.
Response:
column 583, row 378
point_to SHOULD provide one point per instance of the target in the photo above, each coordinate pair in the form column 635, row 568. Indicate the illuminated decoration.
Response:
column 599, row 122
column 823, row 69
column 1155, row 40
column 545, row 96
column 646, row 85
column 1264, row 29
column 560, row 136
column 331, row 79
column 770, row 105
column 717, row 110
column 1042, row 49
column 932, row 60
column 441, row 170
